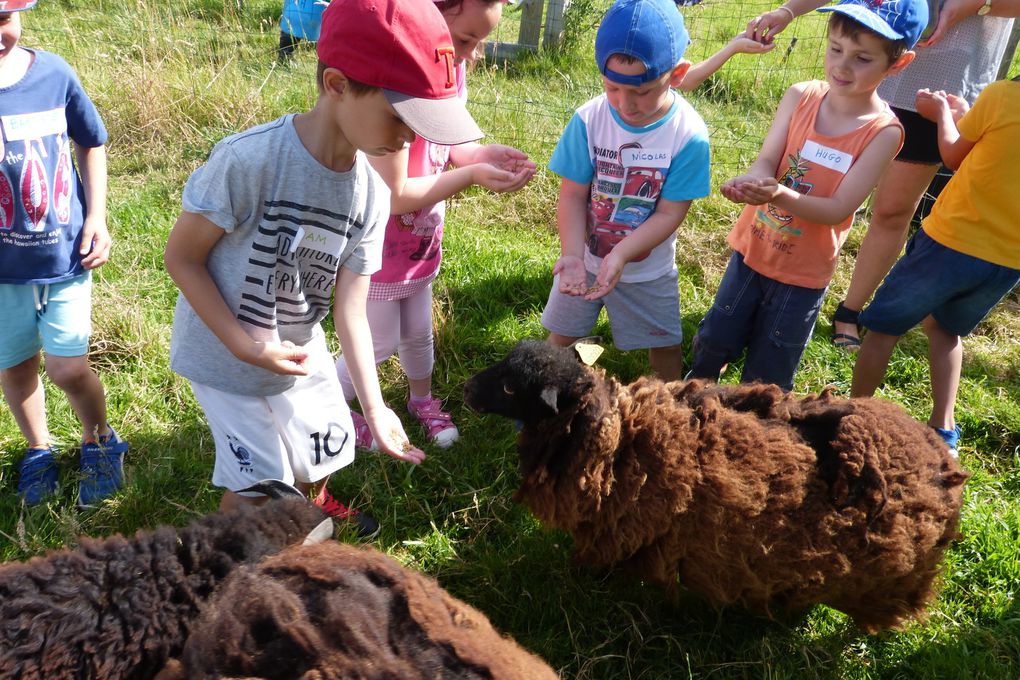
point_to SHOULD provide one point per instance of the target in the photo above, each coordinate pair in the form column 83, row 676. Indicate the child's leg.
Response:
column 782, row 328
column 23, row 390
column 416, row 348
column 569, row 317
column 384, row 322
column 724, row 331
column 872, row 362
column 667, row 362
column 945, row 361
column 84, row 391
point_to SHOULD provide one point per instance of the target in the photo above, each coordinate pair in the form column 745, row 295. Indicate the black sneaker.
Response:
column 367, row 527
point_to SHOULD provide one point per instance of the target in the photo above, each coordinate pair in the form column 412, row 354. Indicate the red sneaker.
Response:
column 367, row 527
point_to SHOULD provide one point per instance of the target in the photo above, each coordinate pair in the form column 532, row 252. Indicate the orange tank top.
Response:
column 787, row 248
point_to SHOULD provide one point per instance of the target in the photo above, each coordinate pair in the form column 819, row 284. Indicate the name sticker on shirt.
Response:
column 319, row 239
column 644, row 157
column 35, row 125
column 834, row 159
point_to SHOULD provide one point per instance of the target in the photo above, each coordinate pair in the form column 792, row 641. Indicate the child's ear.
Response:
column 902, row 62
column 679, row 72
column 334, row 81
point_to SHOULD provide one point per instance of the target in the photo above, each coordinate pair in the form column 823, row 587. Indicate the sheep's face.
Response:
column 535, row 381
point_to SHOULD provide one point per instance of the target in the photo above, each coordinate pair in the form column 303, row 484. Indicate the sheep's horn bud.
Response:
column 273, row 488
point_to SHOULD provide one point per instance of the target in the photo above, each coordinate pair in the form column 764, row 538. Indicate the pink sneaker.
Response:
column 437, row 423
column 362, row 433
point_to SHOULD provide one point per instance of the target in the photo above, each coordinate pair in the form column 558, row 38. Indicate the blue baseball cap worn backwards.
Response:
column 893, row 19
column 651, row 31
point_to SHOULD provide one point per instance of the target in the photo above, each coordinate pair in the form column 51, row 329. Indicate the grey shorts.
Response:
column 641, row 315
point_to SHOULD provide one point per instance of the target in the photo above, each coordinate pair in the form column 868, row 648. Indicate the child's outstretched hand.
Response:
column 744, row 44
column 388, row 432
column 95, row 243
column 931, row 104
column 573, row 276
column 503, row 168
column 609, row 273
column 750, row 190
column 284, row 358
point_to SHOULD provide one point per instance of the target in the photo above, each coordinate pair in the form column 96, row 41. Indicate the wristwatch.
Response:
column 985, row 8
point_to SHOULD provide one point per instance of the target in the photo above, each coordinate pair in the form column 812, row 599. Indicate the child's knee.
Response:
column 68, row 372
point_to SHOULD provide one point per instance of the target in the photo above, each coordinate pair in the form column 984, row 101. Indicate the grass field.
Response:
column 172, row 78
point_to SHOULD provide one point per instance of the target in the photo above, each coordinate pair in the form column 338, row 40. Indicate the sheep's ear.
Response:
column 320, row 534
column 588, row 353
column 274, row 488
column 548, row 397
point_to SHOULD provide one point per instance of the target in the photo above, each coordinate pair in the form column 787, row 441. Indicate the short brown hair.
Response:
column 358, row 88
column 852, row 28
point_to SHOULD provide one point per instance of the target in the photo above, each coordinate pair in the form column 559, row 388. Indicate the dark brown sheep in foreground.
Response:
column 750, row 495
column 120, row 607
column 335, row 611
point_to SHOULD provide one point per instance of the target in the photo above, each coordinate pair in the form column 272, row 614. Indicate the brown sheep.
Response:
column 119, row 607
column 754, row 497
column 331, row 610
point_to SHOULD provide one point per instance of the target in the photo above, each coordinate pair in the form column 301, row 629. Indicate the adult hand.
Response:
column 388, row 432
column 95, row 243
column 952, row 13
column 573, row 276
column 764, row 27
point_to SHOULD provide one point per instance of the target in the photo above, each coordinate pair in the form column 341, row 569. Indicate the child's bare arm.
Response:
column 187, row 251
column 944, row 111
column 771, row 154
column 860, row 180
column 352, row 327
column 659, row 226
column 413, row 193
column 95, row 236
column 571, row 221
column 741, row 44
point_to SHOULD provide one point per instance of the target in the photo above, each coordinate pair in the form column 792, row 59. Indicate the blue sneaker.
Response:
column 102, row 469
column 38, row 479
column 951, row 438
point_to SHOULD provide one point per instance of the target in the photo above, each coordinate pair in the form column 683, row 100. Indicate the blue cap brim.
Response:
column 864, row 16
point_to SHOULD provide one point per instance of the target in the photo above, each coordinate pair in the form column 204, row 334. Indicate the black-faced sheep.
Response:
column 335, row 611
column 750, row 495
column 120, row 607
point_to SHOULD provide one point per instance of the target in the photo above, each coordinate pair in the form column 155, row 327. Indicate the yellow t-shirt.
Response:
column 978, row 212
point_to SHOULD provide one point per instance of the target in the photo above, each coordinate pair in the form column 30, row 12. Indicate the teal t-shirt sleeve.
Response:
column 570, row 158
column 689, row 173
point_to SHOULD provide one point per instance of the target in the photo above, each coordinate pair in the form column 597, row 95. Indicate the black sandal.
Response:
column 846, row 341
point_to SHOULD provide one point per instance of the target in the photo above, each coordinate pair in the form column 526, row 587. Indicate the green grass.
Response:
column 172, row 78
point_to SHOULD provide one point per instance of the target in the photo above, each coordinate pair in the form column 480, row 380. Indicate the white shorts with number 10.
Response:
column 302, row 434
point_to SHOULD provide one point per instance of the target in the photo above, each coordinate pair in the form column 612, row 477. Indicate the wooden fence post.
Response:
column 531, row 23
column 554, row 22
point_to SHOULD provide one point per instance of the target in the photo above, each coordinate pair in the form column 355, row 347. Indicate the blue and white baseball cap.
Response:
column 651, row 31
column 894, row 19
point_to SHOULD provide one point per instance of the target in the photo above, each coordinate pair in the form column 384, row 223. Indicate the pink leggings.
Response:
column 403, row 327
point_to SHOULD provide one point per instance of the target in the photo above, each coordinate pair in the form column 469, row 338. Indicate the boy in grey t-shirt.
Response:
column 285, row 222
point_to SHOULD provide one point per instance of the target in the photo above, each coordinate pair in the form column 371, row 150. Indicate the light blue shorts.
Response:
column 55, row 317
column 642, row 315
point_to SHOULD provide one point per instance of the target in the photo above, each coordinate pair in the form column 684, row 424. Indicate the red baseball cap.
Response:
column 16, row 5
column 405, row 48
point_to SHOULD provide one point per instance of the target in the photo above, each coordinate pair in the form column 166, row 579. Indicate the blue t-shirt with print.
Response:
column 42, row 200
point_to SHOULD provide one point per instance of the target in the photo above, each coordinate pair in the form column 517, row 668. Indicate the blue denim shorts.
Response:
column 958, row 290
column 773, row 321
column 56, row 318
column 642, row 315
